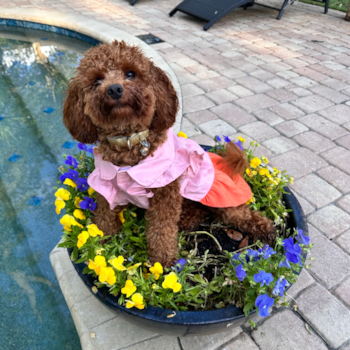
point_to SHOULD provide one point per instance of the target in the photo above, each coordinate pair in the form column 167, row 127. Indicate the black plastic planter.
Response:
column 188, row 322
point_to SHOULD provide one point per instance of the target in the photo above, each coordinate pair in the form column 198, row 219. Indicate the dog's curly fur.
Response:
column 149, row 101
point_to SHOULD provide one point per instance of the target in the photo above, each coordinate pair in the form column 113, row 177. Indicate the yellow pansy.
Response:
column 118, row 263
column 241, row 138
column 79, row 214
column 99, row 251
column 91, row 191
column 60, row 204
column 82, row 238
column 129, row 288
column 170, row 281
column 99, row 261
column 182, row 134
column 77, row 201
column 63, row 194
column 121, row 216
column 265, row 160
column 276, row 170
column 291, row 180
column 107, row 274
column 255, row 162
column 136, row 300
column 264, row 172
column 69, row 182
column 94, row 231
column 132, row 269
column 67, row 221
column 251, row 200
column 157, row 270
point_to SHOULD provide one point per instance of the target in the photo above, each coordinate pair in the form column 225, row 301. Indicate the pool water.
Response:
column 35, row 67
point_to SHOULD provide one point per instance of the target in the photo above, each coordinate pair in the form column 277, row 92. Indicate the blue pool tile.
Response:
column 69, row 144
column 15, row 157
column 49, row 110
column 35, row 201
column 1, row 118
column 31, row 83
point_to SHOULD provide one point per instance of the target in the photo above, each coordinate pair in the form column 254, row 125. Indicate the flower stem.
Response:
column 210, row 235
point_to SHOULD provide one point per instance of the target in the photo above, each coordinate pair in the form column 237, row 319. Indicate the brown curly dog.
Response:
column 117, row 91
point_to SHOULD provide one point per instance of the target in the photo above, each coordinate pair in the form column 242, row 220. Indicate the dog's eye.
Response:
column 130, row 74
column 98, row 81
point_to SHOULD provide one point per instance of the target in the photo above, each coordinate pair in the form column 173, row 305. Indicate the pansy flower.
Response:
column 94, row 230
column 91, row 191
column 77, row 201
column 252, row 255
column 285, row 263
column 227, row 139
column 301, row 238
column 279, row 287
column 179, row 264
column 266, row 252
column 87, row 203
column 82, row 184
column 156, row 270
column 71, row 161
column 70, row 183
column 118, row 263
column 255, row 162
column 82, row 238
column 85, row 148
column 137, row 301
column 107, row 274
column 97, row 263
column 67, row 221
column 62, row 194
column 70, row 174
column 240, row 273
column 170, row 281
column 79, row 214
column 263, row 278
column 293, row 250
column 263, row 303
column 60, row 204
column 218, row 138
column 129, row 288
column 240, row 138
column 239, row 144
column 131, row 270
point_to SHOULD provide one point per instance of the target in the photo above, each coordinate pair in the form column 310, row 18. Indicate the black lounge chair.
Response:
column 213, row 10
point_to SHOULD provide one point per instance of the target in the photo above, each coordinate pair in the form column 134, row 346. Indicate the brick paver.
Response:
column 268, row 81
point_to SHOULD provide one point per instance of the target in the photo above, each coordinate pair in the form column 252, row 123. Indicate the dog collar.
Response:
column 122, row 142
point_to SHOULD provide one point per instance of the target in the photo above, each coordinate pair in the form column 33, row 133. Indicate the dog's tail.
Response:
column 235, row 157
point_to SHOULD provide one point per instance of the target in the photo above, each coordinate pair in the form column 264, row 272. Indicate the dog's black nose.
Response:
column 115, row 91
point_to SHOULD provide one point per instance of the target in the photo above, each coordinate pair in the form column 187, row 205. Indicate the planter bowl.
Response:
column 188, row 322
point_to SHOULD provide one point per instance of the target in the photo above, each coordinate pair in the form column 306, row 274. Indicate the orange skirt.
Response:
column 226, row 191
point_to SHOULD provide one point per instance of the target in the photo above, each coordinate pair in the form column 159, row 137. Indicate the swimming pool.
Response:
column 34, row 69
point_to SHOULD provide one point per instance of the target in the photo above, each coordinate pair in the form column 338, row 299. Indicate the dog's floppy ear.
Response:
column 167, row 102
column 76, row 121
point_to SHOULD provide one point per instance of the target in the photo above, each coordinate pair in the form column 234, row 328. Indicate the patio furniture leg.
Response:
column 285, row 4
column 172, row 12
column 326, row 6
column 133, row 2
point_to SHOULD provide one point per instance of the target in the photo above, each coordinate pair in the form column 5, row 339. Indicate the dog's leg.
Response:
column 107, row 220
column 162, row 218
column 247, row 221
column 192, row 214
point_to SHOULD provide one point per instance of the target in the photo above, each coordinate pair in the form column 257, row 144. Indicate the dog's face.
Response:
column 117, row 91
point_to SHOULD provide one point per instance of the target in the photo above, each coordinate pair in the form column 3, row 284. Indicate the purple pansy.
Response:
column 71, row 161
column 87, row 203
column 237, row 259
column 82, row 184
column 252, row 255
column 239, row 144
column 284, row 263
column 293, row 250
column 263, row 303
column 263, row 278
column 240, row 273
column 279, row 287
column 180, row 264
column 301, row 238
column 85, row 148
column 266, row 252
column 218, row 138
column 71, row 174
column 226, row 139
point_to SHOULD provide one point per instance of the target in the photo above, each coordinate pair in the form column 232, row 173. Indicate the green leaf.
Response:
column 249, row 306
column 199, row 279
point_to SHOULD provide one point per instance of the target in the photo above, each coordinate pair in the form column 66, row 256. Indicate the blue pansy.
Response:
column 71, row 174
column 240, row 273
column 218, row 138
column 263, row 303
column 82, row 184
column 293, row 250
column 266, row 252
column 85, row 148
column 237, row 259
column 284, row 263
column 87, row 203
column 252, row 255
column 71, row 161
column 263, row 278
column 227, row 139
column 239, row 144
column 301, row 238
column 279, row 287
column 180, row 264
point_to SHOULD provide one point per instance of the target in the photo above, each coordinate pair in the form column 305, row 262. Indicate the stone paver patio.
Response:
column 285, row 84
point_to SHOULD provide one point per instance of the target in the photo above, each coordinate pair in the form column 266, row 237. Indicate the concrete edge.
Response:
column 96, row 30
